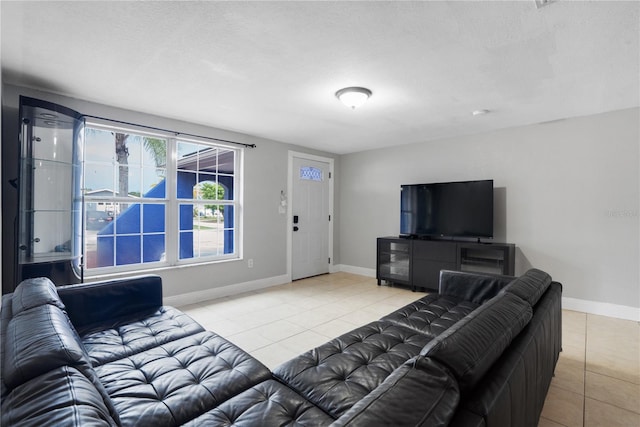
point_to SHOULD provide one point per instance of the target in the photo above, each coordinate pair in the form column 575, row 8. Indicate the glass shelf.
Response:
column 49, row 217
column 394, row 261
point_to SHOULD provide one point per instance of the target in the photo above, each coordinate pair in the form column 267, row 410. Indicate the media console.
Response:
column 417, row 263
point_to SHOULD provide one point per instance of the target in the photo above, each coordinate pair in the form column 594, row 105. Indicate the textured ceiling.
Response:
column 271, row 68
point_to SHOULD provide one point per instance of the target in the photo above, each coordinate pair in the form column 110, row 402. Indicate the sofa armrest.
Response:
column 97, row 305
column 422, row 392
column 473, row 287
column 62, row 397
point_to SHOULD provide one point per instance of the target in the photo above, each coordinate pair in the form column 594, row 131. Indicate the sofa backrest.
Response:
column 472, row 287
column 39, row 338
column 530, row 286
column 472, row 345
column 107, row 304
column 5, row 316
column 513, row 392
column 33, row 293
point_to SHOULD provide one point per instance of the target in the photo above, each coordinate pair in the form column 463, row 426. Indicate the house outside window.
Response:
column 152, row 200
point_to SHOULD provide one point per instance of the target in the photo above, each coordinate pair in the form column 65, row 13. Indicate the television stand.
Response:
column 417, row 263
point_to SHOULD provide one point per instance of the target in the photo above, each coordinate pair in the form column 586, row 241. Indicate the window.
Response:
column 205, row 191
column 153, row 200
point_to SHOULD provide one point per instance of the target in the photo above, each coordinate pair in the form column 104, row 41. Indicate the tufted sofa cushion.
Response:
column 152, row 387
column 62, row 397
column 33, row 293
column 166, row 324
column 530, row 286
column 432, row 314
column 472, row 345
column 339, row 373
column 268, row 403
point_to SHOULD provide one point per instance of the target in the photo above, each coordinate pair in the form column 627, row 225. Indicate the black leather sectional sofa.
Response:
column 481, row 352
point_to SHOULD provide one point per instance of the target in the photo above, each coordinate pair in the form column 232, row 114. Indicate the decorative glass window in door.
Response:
column 310, row 173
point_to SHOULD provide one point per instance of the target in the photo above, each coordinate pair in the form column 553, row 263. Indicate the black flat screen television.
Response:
column 447, row 209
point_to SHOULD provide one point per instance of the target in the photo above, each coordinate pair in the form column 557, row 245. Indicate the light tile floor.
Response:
column 597, row 381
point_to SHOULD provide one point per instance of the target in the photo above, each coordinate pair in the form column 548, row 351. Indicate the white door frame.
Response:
column 330, row 161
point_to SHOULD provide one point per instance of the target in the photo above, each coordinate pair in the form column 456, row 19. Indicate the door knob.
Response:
column 295, row 228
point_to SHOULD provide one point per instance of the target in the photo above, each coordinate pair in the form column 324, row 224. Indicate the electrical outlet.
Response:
column 250, row 262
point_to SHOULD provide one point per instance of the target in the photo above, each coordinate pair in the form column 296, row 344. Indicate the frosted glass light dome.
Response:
column 353, row 97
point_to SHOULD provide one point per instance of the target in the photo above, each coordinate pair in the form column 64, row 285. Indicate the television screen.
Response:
column 448, row 209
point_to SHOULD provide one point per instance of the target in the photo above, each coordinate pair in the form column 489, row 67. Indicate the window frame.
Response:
column 175, row 209
column 171, row 202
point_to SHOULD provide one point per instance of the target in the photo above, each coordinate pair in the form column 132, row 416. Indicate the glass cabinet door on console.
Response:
column 50, row 198
column 393, row 264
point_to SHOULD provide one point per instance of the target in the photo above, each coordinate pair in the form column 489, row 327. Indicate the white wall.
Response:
column 567, row 194
column 265, row 175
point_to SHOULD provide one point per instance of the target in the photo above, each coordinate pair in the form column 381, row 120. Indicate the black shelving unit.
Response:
column 417, row 263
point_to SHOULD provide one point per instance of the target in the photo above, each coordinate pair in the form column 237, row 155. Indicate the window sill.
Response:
column 154, row 270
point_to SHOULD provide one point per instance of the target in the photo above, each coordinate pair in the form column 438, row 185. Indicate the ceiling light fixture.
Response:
column 353, row 97
column 543, row 3
column 480, row 112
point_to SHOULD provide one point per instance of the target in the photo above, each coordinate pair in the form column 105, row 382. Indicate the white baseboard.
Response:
column 602, row 308
column 367, row 272
column 224, row 291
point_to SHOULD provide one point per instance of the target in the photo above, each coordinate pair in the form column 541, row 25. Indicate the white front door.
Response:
column 310, row 209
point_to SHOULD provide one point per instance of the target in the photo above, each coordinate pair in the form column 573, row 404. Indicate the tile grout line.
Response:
column 584, row 402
